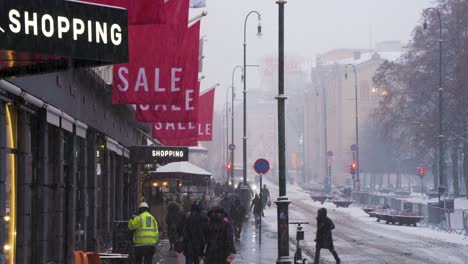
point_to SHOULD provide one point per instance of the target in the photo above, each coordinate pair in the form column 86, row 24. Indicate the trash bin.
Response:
column 449, row 204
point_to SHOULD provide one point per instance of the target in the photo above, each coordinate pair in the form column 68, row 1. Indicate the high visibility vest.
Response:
column 146, row 230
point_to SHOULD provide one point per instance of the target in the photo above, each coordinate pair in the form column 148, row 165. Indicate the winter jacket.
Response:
column 220, row 241
column 324, row 237
column 194, row 237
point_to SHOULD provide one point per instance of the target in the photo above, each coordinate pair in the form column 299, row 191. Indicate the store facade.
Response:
column 65, row 174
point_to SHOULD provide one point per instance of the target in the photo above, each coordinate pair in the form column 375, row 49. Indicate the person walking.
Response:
column 237, row 216
column 173, row 218
column 194, row 235
column 257, row 208
column 220, row 247
column 265, row 194
column 145, row 236
column 324, row 237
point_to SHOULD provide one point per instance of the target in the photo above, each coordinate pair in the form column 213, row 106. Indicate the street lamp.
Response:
column 245, row 190
column 441, row 187
column 227, row 129
column 358, row 185
column 233, row 94
column 282, row 202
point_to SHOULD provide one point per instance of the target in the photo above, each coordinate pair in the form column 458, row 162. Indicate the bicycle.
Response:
column 299, row 236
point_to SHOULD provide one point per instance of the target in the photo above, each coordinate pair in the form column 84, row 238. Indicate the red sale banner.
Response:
column 140, row 12
column 205, row 115
column 182, row 142
column 201, row 130
column 173, row 105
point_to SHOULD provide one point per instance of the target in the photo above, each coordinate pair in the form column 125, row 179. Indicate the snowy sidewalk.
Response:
column 248, row 249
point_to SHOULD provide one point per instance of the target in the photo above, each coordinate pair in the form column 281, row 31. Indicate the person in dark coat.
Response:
column 257, row 208
column 220, row 247
column 237, row 216
column 324, row 237
column 194, row 236
column 265, row 194
column 173, row 218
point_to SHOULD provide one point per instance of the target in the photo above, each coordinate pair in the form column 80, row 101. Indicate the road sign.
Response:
column 330, row 153
column 353, row 147
column 261, row 166
column 232, row 147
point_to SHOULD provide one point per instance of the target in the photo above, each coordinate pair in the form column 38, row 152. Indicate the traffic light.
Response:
column 229, row 166
column 421, row 171
column 353, row 168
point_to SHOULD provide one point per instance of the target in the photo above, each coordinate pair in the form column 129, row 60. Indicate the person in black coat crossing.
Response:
column 324, row 237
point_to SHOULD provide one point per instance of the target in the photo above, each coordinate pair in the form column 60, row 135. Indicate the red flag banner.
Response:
column 158, row 105
column 186, row 131
column 139, row 11
column 173, row 130
column 177, row 12
column 205, row 115
column 182, row 142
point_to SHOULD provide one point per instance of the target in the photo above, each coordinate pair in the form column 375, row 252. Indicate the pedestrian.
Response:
column 265, row 194
column 173, row 219
column 220, row 247
column 257, row 208
column 187, row 203
column 226, row 203
column 145, row 236
column 238, row 216
column 324, row 237
column 194, row 235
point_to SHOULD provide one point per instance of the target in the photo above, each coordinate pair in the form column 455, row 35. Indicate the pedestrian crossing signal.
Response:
column 229, row 166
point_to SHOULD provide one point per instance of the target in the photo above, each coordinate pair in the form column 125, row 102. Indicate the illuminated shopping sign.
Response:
column 161, row 155
column 64, row 28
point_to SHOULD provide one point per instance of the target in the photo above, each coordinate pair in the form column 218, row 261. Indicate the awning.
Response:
column 184, row 171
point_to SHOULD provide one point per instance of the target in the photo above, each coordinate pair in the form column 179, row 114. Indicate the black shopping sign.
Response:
column 64, row 28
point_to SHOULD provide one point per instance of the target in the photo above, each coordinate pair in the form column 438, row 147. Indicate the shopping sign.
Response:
column 64, row 28
column 261, row 166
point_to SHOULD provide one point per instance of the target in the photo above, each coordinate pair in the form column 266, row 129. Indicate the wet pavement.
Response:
column 250, row 251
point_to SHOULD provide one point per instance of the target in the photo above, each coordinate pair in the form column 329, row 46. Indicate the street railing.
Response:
column 454, row 221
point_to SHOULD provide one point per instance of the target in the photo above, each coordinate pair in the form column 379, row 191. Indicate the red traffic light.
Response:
column 352, row 168
column 229, row 166
column 421, row 171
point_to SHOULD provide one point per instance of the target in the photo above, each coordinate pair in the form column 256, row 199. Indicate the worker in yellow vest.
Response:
column 146, row 235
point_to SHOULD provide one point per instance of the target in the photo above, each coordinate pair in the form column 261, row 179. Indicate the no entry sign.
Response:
column 261, row 166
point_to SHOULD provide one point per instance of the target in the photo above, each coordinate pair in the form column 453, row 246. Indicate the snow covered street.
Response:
column 361, row 239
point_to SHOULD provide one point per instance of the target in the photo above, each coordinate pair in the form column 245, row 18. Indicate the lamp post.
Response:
column 441, row 187
column 358, row 185
column 227, row 129
column 245, row 190
column 282, row 202
column 233, row 94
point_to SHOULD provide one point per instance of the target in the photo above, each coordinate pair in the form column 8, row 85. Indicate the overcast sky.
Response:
column 311, row 27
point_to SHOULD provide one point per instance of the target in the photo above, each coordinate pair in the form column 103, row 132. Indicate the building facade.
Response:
column 65, row 174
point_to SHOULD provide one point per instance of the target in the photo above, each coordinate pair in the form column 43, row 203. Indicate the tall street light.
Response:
column 227, row 130
column 245, row 191
column 358, row 184
column 441, row 187
column 233, row 95
column 282, row 202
